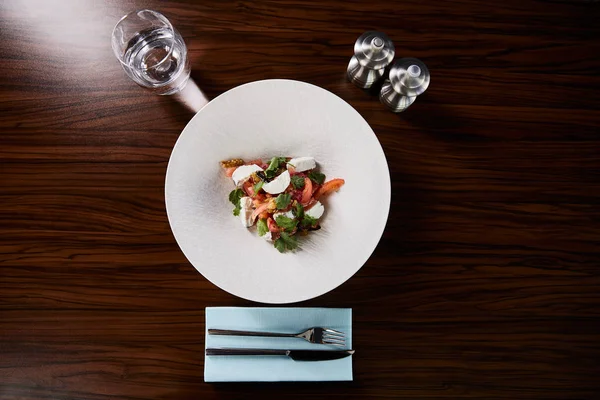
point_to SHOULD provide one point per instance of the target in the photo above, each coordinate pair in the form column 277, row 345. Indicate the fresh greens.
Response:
column 280, row 245
column 234, row 197
column 283, row 201
column 262, row 227
column 298, row 211
column 297, row 182
column 308, row 222
column 258, row 186
column 316, row 177
column 274, row 166
column 282, row 216
column 276, row 162
column 288, row 224
column 286, row 242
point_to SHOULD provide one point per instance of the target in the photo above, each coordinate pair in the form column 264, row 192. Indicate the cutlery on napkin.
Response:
column 274, row 319
column 296, row 355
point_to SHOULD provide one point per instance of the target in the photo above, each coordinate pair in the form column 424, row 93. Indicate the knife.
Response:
column 296, row 355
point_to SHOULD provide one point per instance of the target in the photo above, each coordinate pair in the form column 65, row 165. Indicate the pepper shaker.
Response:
column 373, row 51
column 409, row 77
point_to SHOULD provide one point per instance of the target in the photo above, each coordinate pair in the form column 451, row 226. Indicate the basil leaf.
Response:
column 286, row 223
column 308, row 221
column 279, row 245
column 262, row 227
column 298, row 211
column 274, row 166
column 283, row 201
column 286, row 242
column 297, row 182
column 235, row 196
column 257, row 187
column 290, row 241
column 316, row 177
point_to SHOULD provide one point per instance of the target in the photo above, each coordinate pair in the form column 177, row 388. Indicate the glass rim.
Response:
column 162, row 18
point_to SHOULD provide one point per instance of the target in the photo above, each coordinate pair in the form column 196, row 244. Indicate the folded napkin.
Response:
column 274, row 368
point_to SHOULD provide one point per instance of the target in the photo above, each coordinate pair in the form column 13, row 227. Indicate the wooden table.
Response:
column 486, row 284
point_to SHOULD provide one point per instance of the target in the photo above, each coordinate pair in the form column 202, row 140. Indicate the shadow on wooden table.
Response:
column 435, row 119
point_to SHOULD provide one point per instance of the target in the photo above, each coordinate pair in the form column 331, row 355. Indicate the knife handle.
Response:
column 228, row 332
column 246, row 352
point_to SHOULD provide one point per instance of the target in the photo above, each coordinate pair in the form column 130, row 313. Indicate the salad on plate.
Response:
column 280, row 197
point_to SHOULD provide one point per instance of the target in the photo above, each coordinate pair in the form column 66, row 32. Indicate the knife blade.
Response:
column 296, row 355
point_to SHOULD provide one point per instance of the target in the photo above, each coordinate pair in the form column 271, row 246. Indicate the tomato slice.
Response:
column 328, row 187
column 307, row 192
column 229, row 171
column 248, row 188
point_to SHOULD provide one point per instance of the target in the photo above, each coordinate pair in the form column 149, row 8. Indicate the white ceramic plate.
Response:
column 261, row 120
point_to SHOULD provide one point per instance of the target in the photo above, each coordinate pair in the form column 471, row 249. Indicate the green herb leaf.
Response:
column 279, row 245
column 286, row 223
column 283, row 201
column 277, row 161
column 235, row 197
column 298, row 211
column 297, row 182
column 308, row 221
column 290, row 241
column 286, row 242
column 258, row 186
column 316, row 177
column 274, row 166
column 262, row 227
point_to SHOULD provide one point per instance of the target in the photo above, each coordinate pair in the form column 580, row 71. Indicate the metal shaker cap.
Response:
column 363, row 77
column 374, row 50
column 409, row 76
column 394, row 100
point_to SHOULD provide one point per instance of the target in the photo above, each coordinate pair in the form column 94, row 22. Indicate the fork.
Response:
column 312, row 335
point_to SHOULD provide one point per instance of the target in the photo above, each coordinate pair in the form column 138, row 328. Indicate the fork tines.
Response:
column 333, row 337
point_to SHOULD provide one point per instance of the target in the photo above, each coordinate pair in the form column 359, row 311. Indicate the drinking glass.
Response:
column 151, row 51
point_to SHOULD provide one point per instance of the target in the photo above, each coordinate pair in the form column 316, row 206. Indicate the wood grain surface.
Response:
column 486, row 283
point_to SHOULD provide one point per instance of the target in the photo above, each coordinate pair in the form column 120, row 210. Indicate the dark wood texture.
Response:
column 486, row 284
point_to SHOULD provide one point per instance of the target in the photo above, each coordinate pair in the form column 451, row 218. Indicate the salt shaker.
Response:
column 409, row 77
column 373, row 51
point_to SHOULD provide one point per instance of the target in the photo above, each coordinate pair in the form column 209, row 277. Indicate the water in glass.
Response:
column 157, row 60
column 151, row 51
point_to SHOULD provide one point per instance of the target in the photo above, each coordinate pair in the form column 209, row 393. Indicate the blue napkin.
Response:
column 272, row 369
